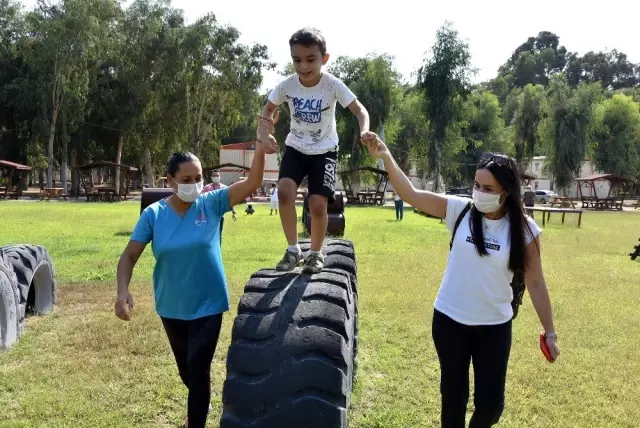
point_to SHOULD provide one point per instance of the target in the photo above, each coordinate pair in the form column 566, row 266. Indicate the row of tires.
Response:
column 27, row 285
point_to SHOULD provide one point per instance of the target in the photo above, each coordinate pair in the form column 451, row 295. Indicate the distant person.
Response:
column 274, row 198
column 189, row 283
column 249, row 210
column 473, row 312
column 529, row 199
column 216, row 185
column 399, row 203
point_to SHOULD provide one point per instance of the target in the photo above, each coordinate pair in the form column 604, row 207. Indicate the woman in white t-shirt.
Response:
column 473, row 312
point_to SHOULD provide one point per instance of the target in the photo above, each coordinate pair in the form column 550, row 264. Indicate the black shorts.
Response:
column 320, row 170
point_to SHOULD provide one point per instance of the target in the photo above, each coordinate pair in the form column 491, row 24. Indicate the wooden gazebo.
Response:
column 615, row 197
column 14, row 170
column 526, row 178
column 374, row 197
column 105, row 188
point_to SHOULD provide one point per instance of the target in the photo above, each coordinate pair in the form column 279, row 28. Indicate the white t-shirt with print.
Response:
column 274, row 194
column 313, row 112
column 476, row 290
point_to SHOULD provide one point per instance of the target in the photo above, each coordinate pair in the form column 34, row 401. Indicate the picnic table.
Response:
column 52, row 192
column 562, row 202
column 564, row 211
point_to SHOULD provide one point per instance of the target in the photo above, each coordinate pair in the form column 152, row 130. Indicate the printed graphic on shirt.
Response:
column 308, row 109
column 489, row 243
column 315, row 135
column 329, row 173
column 201, row 219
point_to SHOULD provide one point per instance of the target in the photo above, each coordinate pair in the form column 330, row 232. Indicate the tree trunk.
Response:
column 52, row 131
column 75, row 176
column 65, row 155
column 148, row 167
column 118, row 158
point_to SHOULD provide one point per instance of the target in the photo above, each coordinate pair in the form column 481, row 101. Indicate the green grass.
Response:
column 83, row 367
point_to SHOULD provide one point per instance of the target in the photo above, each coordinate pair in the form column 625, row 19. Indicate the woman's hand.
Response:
column 552, row 344
column 377, row 148
column 265, row 131
column 124, row 306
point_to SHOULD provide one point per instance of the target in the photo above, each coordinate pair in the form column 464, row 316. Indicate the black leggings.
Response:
column 193, row 344
column 488, row 346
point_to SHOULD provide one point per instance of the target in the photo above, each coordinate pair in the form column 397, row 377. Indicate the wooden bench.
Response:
column 564, row 211
column 52, row 192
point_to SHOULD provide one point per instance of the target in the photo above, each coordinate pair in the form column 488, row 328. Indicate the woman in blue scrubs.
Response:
column 189, row 282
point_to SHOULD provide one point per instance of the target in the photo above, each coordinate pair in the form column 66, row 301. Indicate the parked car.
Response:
column 459, row 191
column 544, row 196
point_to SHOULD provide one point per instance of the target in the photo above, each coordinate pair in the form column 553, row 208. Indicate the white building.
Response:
column 543, row 182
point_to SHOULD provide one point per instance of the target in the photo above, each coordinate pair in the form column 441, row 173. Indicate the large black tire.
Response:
column 9, row 305
column 293, row 342
column 34, row 272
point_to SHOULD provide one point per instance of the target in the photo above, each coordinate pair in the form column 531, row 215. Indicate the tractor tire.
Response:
column 34, row 272
column 291, row 359
column 9, row 305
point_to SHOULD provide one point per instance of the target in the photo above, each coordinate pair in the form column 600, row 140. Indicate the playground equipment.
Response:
column 634, row 254
column 335, row 211
column 294, row 344
column 27, row 285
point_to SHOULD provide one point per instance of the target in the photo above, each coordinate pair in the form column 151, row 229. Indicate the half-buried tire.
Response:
column 34, row 272
column 291, row 359
column 9, row 305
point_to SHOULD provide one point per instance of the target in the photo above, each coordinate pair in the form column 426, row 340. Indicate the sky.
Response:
column 406, row 29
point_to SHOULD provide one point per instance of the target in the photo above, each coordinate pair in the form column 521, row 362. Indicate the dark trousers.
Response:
column 193, row 344
column 488, row 346
column 399, row 209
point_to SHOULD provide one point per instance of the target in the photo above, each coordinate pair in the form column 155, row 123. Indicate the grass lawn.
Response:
column 82, row 367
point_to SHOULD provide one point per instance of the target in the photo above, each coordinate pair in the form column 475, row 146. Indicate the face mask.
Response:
column 215, row 180
column 486, row 202
column 189, row 192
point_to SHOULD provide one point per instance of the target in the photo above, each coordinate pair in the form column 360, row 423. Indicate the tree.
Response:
column 617, row 136
column 523, row 111
column 483, row 130
column 533, row 62
column 374, row 80
column 444, row 77
column 568, row 127
column 64, row 36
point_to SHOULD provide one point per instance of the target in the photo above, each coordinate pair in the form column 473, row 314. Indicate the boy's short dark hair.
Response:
column 309, row 37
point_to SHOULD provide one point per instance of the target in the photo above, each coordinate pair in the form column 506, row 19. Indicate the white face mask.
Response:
column 215, row 180
column 486, row 202
column 189, row 192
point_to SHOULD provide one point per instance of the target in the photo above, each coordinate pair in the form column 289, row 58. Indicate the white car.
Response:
column 544, row 196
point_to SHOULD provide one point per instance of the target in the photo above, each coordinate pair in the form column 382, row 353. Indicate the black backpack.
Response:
column 517, row 284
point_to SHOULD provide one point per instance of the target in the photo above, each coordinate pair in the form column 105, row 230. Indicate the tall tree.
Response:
column 444, row 77
column 523, row 111
column 567, row 129
column 374, row 80
column 617, row 136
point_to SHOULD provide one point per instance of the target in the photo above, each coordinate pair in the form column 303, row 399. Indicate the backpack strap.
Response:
column 458, row 220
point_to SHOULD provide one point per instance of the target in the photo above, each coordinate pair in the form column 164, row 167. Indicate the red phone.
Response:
column 544, row 348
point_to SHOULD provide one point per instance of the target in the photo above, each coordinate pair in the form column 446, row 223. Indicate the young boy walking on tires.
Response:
column 312, row 144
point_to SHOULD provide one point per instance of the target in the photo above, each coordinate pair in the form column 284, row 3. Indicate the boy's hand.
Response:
column 377, row 148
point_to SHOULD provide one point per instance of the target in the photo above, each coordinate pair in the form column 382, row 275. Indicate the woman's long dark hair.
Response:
column 506, row 172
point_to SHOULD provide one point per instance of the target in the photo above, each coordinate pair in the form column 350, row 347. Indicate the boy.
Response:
column 312, row 143
column 274, row 199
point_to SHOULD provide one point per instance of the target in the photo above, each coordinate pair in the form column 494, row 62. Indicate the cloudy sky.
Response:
column 406, row 28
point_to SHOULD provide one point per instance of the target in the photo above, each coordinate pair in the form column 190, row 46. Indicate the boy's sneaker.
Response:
column 314, row 263
column 289, row 261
